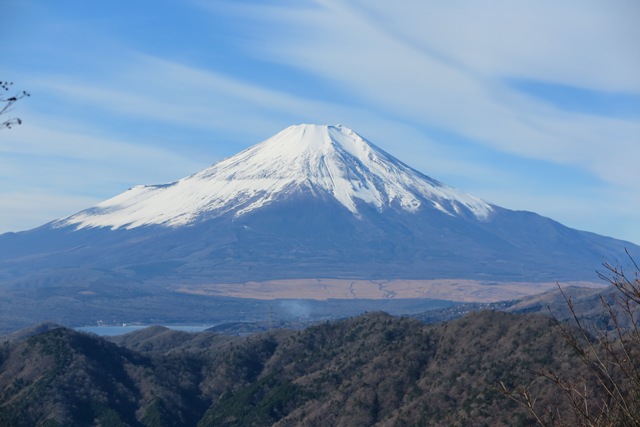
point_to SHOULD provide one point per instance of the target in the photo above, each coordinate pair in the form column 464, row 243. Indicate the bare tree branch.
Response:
column 6, row 104
column 610, row 394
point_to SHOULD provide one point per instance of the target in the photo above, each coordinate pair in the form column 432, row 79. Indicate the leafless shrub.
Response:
column 609, row 392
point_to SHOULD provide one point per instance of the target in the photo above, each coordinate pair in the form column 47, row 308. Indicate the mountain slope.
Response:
column 326, row 161
column 312, row 202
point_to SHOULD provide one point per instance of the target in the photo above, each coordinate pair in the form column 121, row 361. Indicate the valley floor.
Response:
column 459, row 290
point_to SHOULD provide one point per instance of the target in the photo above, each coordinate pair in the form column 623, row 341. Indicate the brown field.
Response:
column 461, row 290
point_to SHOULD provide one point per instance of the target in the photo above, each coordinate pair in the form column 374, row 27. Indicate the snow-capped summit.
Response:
column 309, row 204
column 315, row 159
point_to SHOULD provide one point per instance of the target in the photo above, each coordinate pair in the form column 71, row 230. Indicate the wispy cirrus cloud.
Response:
column 55, row 166
column 96, row 143
column 451, row 68
column 161, row 90
column 424, row 62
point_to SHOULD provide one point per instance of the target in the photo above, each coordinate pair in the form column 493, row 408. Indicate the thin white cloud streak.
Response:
column 210, row 100
column 59, row 153
column 57, row 167
column 576, row 210
column 448, row 65
column 65, row 140
column 153, row 88
column 206, row 99
column 345, row 45
column 586, row 43
column 34, row 207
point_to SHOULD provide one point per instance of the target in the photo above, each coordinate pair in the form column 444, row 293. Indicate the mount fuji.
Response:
column 330, row 163
column 315, row 204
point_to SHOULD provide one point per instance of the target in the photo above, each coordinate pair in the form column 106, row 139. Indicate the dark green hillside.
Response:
column 62, row 377
column 379, row 370
column 371, row 370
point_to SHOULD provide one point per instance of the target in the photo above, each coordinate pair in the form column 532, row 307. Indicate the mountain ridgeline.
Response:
column 374, row 370
column 312, row 201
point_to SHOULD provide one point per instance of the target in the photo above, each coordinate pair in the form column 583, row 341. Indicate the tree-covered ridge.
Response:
column 370, row 370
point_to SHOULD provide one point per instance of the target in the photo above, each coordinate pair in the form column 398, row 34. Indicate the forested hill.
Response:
column 373, row 370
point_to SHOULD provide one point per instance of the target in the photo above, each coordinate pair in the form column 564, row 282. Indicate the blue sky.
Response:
column 528, row 105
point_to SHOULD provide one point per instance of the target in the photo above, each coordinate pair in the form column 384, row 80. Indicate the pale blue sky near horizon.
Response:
column 528, row 105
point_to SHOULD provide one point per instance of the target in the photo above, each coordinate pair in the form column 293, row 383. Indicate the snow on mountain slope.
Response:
column 317, row 159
